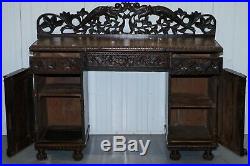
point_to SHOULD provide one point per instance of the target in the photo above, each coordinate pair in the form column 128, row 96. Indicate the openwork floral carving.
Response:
column 131, row 18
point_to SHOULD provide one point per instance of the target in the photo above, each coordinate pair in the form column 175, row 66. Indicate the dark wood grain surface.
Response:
column 19, row 110
column 127, row 43
column 231, row 113
column 190, row 54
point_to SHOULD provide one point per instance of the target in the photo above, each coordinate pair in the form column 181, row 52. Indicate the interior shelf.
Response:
column 188, row 133
column 62, row 133
column 73, row 90
column 191, row 101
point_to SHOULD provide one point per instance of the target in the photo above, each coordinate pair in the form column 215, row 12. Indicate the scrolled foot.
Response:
column 175, row 155
column 41, row 155
column 77, row 155
column 208, row 155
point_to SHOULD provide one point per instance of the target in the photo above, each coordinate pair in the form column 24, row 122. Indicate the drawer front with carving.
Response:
column 55, row 65
column 150, row 61
column 196, row 66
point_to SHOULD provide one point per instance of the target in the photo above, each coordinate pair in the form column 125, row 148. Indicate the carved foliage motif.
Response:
column 55, row 65
column 124, row 18
column 126, row 60
column 182, row 66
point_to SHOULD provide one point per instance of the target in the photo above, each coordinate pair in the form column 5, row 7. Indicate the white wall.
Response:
column 123, row 102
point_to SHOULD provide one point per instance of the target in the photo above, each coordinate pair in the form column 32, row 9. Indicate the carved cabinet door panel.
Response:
column 231, row 111
column 19, row 110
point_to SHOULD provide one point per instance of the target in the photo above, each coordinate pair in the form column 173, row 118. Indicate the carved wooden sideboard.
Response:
column 45, row 103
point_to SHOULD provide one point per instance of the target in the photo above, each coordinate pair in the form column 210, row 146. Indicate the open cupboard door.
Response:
column 231, row 113
column 19, row 110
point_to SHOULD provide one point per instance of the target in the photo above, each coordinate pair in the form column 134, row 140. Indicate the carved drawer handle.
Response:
column 51, row 67
column 198, row 68
column 183, row 68
column 67, row 67
column 215, row 67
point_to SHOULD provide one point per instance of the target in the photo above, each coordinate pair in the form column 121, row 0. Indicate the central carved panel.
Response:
column 127, row 60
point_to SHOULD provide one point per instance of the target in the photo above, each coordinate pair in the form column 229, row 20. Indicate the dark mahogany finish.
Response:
column 231, row 115
column 19, row 110
column 206, row 103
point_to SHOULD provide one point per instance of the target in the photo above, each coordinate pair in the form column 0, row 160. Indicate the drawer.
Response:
column 196, row 66
column 55, row 64
column 134, row 61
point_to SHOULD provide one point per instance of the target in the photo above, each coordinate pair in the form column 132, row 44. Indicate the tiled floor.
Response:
column 157, row 153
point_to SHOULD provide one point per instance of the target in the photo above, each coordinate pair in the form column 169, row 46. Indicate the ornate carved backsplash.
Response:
column 131, row 18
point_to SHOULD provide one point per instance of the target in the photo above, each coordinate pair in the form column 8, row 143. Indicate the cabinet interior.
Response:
column 192, row 108
column 60, row 107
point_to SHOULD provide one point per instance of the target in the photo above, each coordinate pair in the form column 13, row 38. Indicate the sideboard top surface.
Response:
column 126, row 42
column 127, row 27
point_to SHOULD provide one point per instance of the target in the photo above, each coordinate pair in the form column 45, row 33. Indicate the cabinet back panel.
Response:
column 63, row 111
column 189, row 117
column 196, row 86
column 62, row 80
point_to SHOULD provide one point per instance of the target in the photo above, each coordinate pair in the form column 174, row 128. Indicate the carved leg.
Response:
column 208, row 155
column 175, row 155
column 77, row 155
column 41, row 154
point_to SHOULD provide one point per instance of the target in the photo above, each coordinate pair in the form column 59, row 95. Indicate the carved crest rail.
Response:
column 124, row 18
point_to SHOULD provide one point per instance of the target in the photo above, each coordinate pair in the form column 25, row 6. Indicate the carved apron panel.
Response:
column 127, row 61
